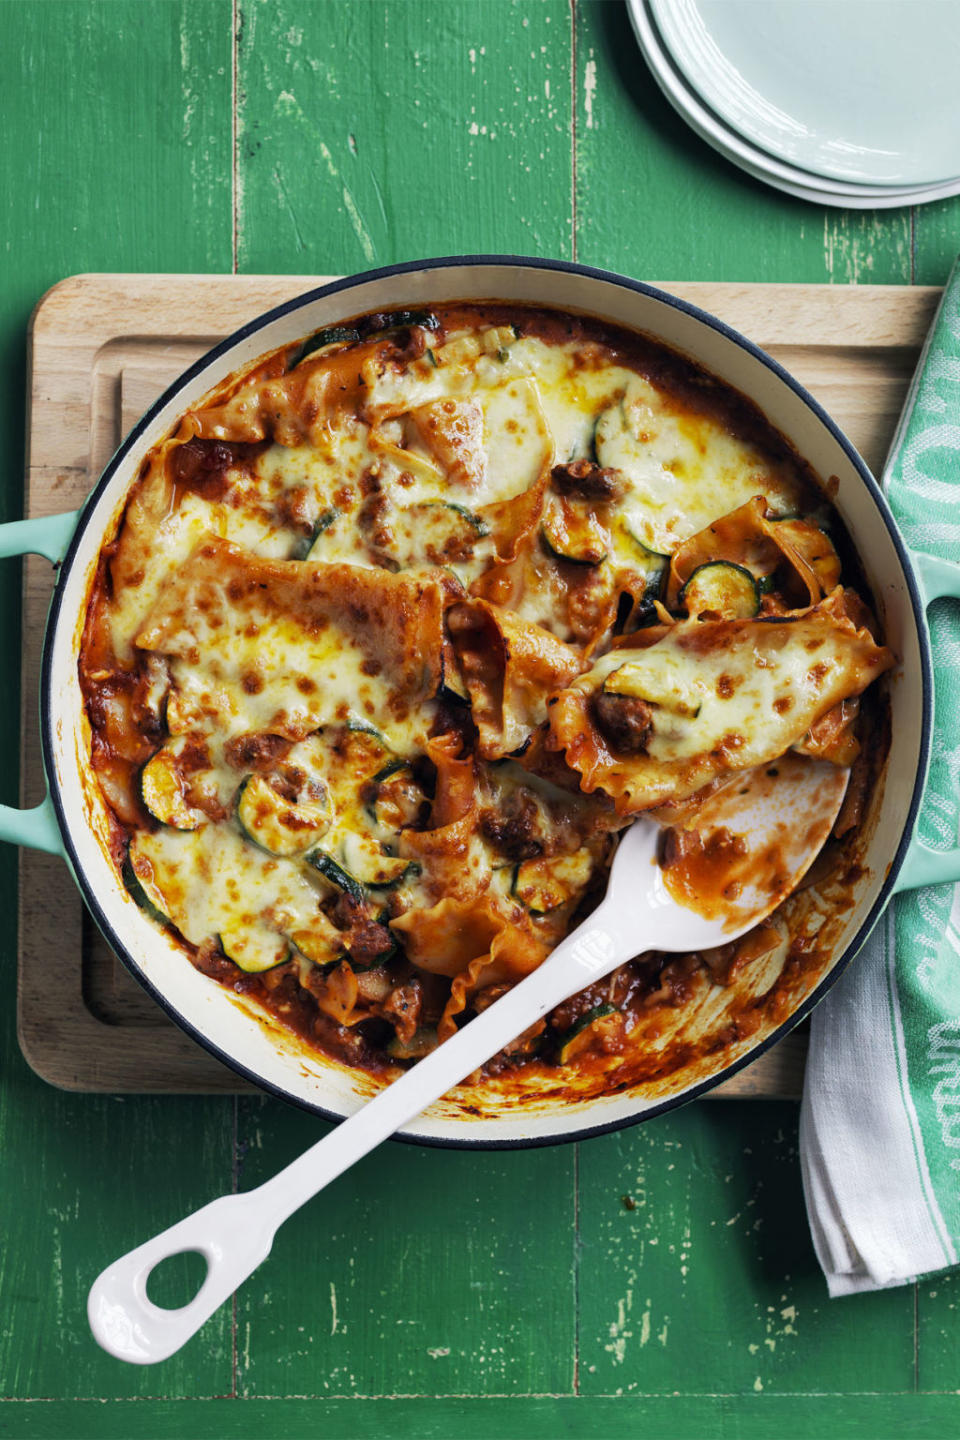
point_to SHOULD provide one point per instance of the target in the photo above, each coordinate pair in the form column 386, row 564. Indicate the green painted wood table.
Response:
column 660, row 1281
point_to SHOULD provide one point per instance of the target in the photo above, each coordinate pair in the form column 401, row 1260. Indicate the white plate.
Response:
column 755, row 162
column 856, row 90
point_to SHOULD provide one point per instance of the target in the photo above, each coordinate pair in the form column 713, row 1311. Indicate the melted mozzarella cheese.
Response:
column 726, row 696
column 165, row 546
column 518, row 442
column 684, row 469
column 211, row 880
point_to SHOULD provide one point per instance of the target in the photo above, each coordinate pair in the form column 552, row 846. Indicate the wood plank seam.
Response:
column 335, row 1397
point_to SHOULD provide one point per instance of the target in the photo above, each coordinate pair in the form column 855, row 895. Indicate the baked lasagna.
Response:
column 402, row 625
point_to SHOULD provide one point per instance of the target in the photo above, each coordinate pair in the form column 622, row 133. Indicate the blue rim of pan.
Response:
column 48, row 719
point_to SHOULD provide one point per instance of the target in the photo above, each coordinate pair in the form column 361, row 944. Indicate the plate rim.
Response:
column 753, row 161
column 696, row 77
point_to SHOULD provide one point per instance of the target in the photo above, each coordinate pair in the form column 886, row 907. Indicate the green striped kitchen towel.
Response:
column 880, row 1122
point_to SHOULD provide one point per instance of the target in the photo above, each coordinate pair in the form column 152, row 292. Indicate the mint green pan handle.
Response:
column 47, row 535
column 939, row 579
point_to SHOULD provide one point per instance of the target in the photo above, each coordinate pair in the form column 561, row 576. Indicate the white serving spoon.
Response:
column 784, row 812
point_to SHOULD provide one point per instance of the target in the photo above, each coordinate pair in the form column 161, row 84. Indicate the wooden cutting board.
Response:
column 102, row 348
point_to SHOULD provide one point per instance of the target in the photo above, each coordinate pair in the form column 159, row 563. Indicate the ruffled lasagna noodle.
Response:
column 403, row 623
column 509, row 667
column 704, row 698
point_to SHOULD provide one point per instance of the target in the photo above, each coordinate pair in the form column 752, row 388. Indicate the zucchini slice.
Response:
column 545, row 885
column 423, row 1041
column 371, row 741
column 336, row 335
column 142, row 889
column 255, row 948
column 399, row 798
column 437, row 531
column 161, row 788
column 384, row 321
column 361, row 864
column 304, row 548
column 651, row 560
column 657, row 683
column 643, row 611
column 653, row 588
column 498, row 339
column 724, row 589
column 335, row 874
column 323, row 528
column 318, row 945
column 285, row 813
column 358, row 726
column 651, row 563
column 449, row 516
column 368, row 863
column 616, row 444
column 582, row 1034
column 575, row 535
column 393, row 767
column 453, row 691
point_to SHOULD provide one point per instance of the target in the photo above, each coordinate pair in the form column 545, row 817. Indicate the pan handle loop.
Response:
column 47, row 535
column 939, row 579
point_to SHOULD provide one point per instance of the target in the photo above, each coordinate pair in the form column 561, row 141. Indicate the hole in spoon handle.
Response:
column 233, row 1234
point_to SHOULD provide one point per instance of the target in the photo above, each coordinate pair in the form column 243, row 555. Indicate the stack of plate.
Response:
column 840, row 102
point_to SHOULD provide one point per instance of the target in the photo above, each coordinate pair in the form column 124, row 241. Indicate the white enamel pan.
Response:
column 71, row 820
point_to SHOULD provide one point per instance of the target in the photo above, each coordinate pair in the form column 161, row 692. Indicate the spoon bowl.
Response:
column 745, row 848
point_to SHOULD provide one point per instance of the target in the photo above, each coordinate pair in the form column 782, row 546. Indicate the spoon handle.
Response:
column 235, row 1232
